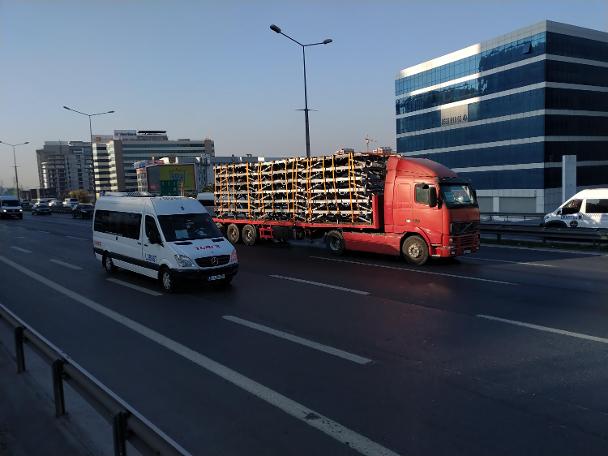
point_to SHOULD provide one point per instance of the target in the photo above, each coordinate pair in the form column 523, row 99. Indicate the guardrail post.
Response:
column 19, row 351
column 57, row 369
column 119, row 429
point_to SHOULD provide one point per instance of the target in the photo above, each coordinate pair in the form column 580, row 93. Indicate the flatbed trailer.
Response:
column 365, row 202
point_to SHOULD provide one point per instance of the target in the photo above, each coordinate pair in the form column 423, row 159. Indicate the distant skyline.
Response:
column 200, row 69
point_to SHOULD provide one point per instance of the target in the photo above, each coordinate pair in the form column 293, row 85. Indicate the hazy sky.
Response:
column 203, row 68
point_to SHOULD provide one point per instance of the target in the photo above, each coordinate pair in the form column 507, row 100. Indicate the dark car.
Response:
column 41, row 209
column 83, row 211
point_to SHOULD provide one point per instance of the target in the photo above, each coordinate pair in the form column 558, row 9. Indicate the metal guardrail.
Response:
column 597, row 237
column 127, row 424
column 510, row 217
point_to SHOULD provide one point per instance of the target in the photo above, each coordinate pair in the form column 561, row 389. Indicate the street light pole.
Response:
column 90, row 126
column 278, row 30
column 15, row 162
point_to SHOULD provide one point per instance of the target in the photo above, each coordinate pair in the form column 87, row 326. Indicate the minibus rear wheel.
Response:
column 107, row 263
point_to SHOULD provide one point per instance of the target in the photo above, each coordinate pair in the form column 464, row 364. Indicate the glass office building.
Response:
column 502, row 113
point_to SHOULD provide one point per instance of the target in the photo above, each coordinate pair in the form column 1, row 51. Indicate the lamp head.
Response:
column 275, row 28
column 327, row 41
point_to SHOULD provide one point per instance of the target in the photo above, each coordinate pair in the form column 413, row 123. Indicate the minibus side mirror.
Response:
column 432, row 196
column 559, row 212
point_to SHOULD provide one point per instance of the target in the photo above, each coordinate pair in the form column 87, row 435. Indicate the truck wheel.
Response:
column 222, row 228
column 108, row 264
column 167, row 280
column 250, row 235
column 233, row 234
column 415, row 250
column 335, row 242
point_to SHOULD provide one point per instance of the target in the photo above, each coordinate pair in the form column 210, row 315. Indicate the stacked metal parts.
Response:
column 329, row 189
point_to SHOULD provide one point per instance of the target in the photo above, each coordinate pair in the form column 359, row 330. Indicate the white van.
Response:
column 168, row 238
column 587, row 209
column 10, row 207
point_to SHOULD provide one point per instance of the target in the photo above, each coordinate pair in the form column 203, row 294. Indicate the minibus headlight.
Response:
column 184, row 261
column 233, row 257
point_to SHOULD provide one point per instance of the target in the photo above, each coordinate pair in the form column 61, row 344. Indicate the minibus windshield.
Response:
column 188, row 227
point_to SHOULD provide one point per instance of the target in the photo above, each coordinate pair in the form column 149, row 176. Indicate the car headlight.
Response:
column 20, row 210
column 233, row 257
column 184, row 261
column 3, row 210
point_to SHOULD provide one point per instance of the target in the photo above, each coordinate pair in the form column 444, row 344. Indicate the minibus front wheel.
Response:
column 167, row 279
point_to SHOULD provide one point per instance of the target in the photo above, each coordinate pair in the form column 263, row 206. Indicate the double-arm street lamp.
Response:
column 89, row 116
column 90, row 123
column 276, row 29
column 15, row 162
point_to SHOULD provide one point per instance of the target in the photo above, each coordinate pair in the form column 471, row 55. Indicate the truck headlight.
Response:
column 233, row 257
column 184, row 261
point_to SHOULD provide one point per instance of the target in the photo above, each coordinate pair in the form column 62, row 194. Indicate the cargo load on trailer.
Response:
column 337, row 188
column 374, row 202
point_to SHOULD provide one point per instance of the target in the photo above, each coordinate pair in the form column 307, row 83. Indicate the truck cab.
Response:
column 426, row 201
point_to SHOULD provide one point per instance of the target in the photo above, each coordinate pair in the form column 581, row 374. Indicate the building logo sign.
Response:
column 455, row 115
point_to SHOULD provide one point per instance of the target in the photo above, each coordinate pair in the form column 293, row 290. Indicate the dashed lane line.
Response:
column 299, row 340
column 66, row 265
column 524, row 263
column 312, row 418
column 419, row 271
column 134, row 287
column 548, row 329
column 319, row 284
column 19, row 249
column 76, row 237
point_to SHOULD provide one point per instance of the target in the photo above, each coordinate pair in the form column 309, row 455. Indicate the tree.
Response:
column 82, row 195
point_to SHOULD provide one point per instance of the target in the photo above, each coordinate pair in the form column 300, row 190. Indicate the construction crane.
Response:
column 367, row 140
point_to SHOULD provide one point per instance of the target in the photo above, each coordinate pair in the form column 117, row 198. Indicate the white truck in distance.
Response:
column 587, row 209
column 167, row 238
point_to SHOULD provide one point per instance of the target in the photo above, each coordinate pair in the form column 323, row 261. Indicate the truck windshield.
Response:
column 187, row 227
column 458, row 195
column 9, row 203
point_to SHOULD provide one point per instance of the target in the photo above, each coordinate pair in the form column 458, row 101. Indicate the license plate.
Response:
column 467, row 251
column 217, row 277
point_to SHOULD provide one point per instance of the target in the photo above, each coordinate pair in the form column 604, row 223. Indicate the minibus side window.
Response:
column 151, row 229
column 597, row 206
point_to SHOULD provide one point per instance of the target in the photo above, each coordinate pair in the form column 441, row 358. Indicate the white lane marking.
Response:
column 319, row 284
column 43, row 231
column 76, row 237
column 19, row 249
column 67, row 265
column 573, row 252
column 134, row 287
column 545, row 328
column 299, row 340
column 524, row 263
column 299, row 411
column 19, row 237
column 420, row 271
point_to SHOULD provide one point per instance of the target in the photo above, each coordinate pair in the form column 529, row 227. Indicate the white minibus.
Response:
column 168, row 238
column 587, row 209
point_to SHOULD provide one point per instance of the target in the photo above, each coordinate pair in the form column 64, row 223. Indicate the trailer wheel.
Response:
column 250, row 235
column 335, row 242
column 415, row 250
column 233, row 234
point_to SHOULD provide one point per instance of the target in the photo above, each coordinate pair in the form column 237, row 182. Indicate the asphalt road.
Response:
column 504, row 352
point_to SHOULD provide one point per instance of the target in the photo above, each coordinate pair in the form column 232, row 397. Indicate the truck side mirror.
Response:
column 432, row 196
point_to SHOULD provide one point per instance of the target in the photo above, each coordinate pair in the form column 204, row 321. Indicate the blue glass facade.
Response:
column 522, row 106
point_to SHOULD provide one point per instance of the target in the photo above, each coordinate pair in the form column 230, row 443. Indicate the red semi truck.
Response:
column 421, row 209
